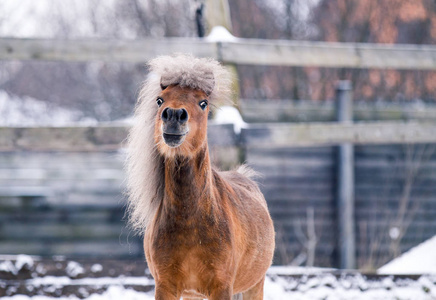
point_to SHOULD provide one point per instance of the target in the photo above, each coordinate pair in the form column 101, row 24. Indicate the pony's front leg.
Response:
column 256, row 292
column 222, row 294
column 163, row 292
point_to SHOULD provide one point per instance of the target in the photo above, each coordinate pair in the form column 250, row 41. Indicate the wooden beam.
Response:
column 98, row 138
column 242, row 51
column 319, row 134
column 334, row 55
column 102, row 138
column 287, row 110
column 131, row 51
column 62, row 138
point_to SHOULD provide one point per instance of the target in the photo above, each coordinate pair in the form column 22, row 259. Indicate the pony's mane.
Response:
column 145, row 165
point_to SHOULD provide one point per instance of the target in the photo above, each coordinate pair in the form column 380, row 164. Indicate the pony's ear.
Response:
column 164, row 82
column 208, row 88
column 207, row 84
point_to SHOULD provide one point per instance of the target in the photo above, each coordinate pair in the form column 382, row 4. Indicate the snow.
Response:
column 8, row 267
column 74, row 269
column 220, row 34
column 230, row 115
column 356, row 288
column 23, row 261
column 276, row 288
column 112, row 293
column 315, row 287
column 418, row 260
column 27, row 112
column 286, row 270
column 95, row 268
column 100, row 281
column 282, row 282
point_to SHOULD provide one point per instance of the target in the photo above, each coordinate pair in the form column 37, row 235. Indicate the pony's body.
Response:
column 210, row 234
column 205, row 240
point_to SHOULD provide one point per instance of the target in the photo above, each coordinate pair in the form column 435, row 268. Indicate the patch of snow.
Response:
column 83, row 292
column 24, row 261
column 274, row 289
column 220, row 34
column 317, row 288
column 312, row 283
column 112, row 293
column 96, row 268
column 100, row 281
column 27, row 111
column 323, row 286
column 8, row 267
column 40, row 270
column 418, row 260
column 74, row 269
column 394, row 233
column 230, row 115
column 292, row 270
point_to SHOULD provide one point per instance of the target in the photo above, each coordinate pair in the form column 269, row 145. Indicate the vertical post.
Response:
column 218, row 14
column 345, row 177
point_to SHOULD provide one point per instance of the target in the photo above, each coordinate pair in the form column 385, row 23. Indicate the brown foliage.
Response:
column 359, row 21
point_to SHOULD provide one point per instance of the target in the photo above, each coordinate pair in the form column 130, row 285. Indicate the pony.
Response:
column 207, row 233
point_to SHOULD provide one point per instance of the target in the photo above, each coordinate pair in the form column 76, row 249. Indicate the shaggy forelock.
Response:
column 203, row 74
column 144, row 165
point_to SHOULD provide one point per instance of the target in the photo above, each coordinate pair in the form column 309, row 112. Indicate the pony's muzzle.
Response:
column 174, row 126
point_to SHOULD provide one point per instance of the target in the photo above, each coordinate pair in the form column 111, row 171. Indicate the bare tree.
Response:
column 389, row 229
column 308, row 239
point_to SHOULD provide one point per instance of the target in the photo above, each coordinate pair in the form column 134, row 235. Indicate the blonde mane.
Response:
column 144, row 165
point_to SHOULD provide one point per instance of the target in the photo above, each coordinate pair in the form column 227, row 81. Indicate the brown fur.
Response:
column 211, row 235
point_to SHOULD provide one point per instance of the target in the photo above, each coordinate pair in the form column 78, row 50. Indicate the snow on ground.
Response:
column 27, row 111
column 356, row 288
column 282, row 282
column 112, row 293
column 418, row 260
column 277, row 288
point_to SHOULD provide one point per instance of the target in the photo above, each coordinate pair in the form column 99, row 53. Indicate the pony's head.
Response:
column 170, row 120
column 188, row 86
column 181, row 121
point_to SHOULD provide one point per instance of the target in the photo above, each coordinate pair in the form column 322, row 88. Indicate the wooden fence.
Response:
column 67, row 183
column 239, row 51
column 263, row 145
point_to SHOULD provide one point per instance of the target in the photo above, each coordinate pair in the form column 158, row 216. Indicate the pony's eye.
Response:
column 203, row 104
column 159, row 101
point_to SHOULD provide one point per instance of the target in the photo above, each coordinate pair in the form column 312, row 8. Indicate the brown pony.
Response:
column 207, row 234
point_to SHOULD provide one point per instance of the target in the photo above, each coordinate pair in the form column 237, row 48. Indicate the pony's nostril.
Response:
column 165, row 114
column 183, row 115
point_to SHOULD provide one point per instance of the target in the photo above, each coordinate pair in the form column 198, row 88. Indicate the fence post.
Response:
column 345, row 177
column 218, row 14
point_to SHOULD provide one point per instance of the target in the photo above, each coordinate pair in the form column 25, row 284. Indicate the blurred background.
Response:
column 71, row 202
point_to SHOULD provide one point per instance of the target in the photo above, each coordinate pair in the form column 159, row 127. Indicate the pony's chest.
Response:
column 195, row 236
column 187, row 234
column 193, row 261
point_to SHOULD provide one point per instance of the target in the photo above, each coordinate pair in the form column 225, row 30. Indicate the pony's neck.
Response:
column 188, row 180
